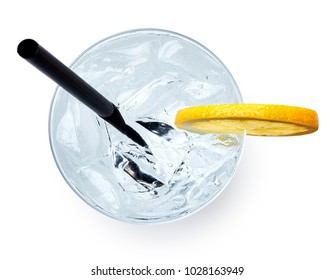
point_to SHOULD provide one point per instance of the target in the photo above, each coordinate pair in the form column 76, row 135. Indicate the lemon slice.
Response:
column 255, row 119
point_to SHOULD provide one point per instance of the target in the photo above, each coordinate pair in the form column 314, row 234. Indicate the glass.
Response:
column 149, row 75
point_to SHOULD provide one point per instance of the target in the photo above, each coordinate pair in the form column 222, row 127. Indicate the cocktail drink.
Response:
column 174, row 138
column 149, row 75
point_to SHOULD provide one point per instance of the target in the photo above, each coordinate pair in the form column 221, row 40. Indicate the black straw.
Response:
column 35, row 54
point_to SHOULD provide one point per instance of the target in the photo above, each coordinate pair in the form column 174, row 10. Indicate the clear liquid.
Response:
column 149, row 76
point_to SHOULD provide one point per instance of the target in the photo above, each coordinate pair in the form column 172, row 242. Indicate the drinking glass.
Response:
column 149, row 74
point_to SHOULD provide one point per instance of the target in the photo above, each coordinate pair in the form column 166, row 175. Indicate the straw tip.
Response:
column 27, row 48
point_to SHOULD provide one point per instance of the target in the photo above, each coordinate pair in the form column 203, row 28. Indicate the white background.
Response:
column 276, row 218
